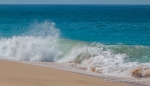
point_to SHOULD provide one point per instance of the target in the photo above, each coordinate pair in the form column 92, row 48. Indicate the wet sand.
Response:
column 20, row 74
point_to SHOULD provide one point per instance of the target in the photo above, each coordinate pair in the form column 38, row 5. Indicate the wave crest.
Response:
column 43, row 43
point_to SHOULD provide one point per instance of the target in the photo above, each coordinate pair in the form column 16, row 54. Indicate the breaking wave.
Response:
column 43, row 42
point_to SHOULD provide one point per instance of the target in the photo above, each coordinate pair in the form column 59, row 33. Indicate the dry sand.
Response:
column 19, row 74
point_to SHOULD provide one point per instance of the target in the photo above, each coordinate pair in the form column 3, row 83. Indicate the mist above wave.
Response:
column 43, row 43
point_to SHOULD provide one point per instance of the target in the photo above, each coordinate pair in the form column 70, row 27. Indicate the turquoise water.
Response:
column 118, row 34
column 109, row 24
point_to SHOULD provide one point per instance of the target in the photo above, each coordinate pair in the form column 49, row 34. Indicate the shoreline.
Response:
column 28, row 74
column 19, row 74
column 126, row 80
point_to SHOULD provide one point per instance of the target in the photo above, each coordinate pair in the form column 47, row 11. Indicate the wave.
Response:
column 44, row 43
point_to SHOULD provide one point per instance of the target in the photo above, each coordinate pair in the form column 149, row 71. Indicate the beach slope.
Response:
column 19, row 74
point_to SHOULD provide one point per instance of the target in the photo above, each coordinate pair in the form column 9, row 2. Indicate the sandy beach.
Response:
column 77, row 44
column 19, row 74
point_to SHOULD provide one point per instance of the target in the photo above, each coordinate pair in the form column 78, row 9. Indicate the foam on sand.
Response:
column 18, row 74
column 140, row 72
column 43, row 43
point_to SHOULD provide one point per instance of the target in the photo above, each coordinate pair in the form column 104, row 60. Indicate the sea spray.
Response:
column 37, row 45
column 43, row 29
column 43, row 43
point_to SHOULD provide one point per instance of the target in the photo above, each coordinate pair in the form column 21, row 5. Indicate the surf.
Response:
column 43, row 43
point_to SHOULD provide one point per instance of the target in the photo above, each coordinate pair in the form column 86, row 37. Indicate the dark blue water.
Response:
column 109, row 24
column 123, row 29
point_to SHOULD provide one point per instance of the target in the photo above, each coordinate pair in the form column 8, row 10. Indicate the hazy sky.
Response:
column 75, row 2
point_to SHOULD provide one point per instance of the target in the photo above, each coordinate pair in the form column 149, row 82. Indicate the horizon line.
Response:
column 68, row 4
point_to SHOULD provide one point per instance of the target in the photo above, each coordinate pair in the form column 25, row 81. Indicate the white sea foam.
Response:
column 43, row 43
column 38, row 45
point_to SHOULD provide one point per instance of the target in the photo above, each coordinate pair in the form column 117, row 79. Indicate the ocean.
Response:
column 106, row 37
